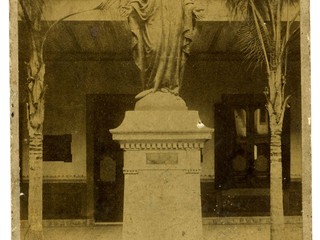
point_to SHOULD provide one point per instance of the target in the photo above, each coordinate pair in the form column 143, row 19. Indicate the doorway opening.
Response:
column 105, row 157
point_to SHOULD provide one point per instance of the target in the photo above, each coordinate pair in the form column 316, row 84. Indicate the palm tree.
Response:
column 265, row 42
column 31, row 14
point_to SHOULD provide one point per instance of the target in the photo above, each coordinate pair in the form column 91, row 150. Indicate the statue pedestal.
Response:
column 162, row 198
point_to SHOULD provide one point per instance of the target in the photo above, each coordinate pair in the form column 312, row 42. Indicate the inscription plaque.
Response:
column 162, row 158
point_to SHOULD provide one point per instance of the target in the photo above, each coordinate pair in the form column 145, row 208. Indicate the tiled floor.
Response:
column 210, row 231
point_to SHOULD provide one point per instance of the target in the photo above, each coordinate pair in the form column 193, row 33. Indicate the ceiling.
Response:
column 100, row 40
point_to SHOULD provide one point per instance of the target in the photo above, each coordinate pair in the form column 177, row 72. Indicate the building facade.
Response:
column 92, row 80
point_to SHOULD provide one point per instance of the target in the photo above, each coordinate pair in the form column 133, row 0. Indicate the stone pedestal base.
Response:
column 162, row 195
column 162, row 174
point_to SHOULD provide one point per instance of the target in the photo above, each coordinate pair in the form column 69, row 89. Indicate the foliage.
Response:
column 264, row 38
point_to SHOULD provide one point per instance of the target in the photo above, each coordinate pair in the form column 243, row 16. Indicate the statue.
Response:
column 162, row 33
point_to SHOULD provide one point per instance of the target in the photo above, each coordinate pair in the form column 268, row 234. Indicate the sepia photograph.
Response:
column 160, row 119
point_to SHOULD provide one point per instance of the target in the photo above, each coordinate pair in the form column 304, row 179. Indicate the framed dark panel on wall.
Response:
column 57, row 148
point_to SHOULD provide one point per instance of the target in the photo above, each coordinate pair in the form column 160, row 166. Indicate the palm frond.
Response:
column 288, row 33
column 241, row 7
column 101, row 7
column 32, row 11
column 256, row 37
column 262, row 8
column 262, row 38
column 250, row 46
column 25, row 14
column 261, row 19
column 237, row 7
column 105, row 5
column 288, row 3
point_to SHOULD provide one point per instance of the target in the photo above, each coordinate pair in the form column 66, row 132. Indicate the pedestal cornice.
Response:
column 161, row 129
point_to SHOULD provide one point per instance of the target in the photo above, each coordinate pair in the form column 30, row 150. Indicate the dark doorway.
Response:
column 107, row 112
column 243, row 152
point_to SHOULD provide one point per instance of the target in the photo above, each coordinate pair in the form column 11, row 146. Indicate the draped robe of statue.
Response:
column 162, row 33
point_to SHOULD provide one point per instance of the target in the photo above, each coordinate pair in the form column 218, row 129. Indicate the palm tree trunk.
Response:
column 276, row 193
column 276, row 108
column 35, row 127
column 35, row 113
column 35, row 187
column 35, row 116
